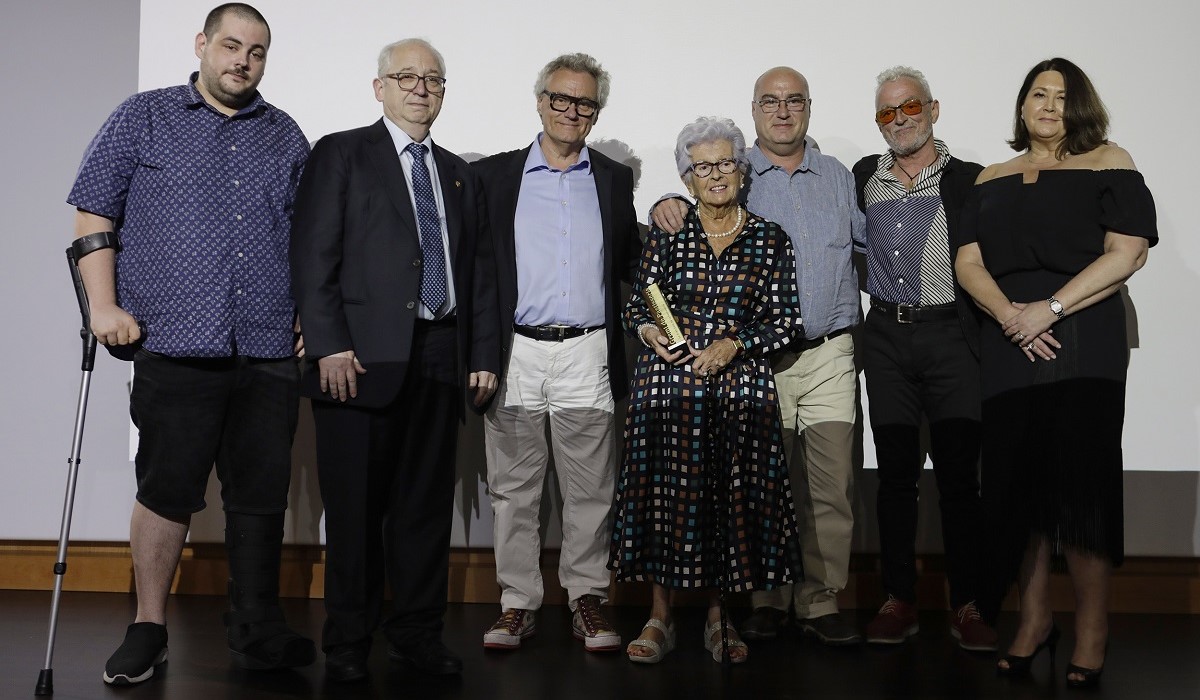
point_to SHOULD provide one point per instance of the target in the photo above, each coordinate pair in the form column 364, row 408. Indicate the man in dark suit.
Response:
column 394, row 280
column 566, row 234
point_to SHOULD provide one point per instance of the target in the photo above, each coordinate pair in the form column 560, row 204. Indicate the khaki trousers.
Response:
column 817, row 401
column 565, row 383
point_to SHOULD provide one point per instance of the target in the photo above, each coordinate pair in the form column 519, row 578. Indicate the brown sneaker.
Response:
column 513, row 626
column 972, row 633
column 896, row 622
column 589, row 625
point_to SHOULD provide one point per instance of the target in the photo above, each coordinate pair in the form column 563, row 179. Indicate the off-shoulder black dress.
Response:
column 1052, row 429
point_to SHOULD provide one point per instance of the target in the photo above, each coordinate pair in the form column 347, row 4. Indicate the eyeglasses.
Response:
column 704, row 168
column 911, row 107
column 434, row 84
column 794, row 104
column 561, row 103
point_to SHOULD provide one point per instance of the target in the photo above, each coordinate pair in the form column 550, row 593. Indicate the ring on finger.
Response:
column 1029, row 347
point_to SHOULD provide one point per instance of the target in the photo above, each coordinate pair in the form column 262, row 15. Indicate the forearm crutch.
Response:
column 81, row 247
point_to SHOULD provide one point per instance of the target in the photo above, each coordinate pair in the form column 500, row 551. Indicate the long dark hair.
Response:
column 1084, row 115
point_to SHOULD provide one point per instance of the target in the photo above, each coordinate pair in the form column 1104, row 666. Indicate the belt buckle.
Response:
column 560, row 333
column 904, row 313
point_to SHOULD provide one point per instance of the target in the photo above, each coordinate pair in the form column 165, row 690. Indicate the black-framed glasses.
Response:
column 794, row 103
column 561, row 103
column 434, row 84
column 704, row 168
column 911, row 107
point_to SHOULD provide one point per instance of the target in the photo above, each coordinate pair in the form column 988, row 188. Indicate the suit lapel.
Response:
column 508, row 190
column 603, row 179
column 452, row 190
column 387, row 162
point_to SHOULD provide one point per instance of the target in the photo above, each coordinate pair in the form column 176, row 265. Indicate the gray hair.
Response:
column 709, row 130
column 578, row 63
column 385, row 54
column 899, row 72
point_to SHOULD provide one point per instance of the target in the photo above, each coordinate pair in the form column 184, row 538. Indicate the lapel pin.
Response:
column 458, row 183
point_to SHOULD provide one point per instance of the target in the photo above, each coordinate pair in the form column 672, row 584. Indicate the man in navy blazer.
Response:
column 566, row 235
column 393, row 276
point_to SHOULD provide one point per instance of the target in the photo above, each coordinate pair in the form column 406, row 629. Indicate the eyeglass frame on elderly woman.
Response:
column 911, row 107
column 707, row 167
column 584, row 107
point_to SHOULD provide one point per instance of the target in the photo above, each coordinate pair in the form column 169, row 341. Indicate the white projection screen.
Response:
column 672, row 61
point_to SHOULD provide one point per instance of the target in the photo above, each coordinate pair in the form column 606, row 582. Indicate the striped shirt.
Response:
column 908, row 251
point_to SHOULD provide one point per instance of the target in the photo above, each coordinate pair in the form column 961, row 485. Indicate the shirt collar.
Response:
column 760, row 163
column 195, row 100
column 401, row 140
column 536, row 160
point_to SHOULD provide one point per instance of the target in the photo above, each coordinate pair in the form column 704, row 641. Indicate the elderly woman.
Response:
column 703, row 501
column 1050, row 237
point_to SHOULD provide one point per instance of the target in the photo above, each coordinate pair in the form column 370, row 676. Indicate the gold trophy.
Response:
column 663, row 317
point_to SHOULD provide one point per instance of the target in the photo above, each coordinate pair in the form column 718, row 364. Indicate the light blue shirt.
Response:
column 818, row 208
column 559, row 244
column 401, row 141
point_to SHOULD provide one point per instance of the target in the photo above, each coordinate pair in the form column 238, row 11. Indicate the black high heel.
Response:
column 1020, row 665
column 1090, row 677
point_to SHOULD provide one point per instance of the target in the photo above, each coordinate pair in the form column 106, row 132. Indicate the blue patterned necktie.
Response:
column 433, row 253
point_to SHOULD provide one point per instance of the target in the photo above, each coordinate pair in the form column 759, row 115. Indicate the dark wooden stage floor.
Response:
column 1152, row 657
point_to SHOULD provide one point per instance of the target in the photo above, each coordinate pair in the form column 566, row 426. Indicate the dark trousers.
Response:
column 914, row 369
column 387, row 481
column 237, row 412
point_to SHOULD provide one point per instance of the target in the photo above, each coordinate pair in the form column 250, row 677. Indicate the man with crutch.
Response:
column 198, row 181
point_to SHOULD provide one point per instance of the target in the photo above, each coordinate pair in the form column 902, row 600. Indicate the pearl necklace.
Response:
column 737, row 225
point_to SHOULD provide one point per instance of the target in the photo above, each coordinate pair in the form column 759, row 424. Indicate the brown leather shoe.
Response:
column 895, row 622
column 972, row 633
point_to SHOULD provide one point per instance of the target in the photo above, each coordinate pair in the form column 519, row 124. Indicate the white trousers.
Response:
column 566, row 382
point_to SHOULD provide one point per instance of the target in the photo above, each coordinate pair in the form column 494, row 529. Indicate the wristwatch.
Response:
column 1056, row 306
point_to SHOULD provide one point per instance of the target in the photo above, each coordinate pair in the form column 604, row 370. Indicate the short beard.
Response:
column 916, row 146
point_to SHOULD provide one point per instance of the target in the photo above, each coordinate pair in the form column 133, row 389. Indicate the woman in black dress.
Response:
column 703, row 500
column 1049, row 239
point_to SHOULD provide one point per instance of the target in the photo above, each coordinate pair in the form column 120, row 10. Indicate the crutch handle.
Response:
column 85, row 312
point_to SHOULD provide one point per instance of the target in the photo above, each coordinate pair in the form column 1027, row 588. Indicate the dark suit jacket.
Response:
column 501, row 177
column 957, row 181
column 356, row 261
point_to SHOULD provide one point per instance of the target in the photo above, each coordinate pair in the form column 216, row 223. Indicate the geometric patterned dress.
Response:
column 703, row 499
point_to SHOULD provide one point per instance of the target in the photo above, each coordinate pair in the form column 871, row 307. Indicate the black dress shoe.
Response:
column 831, row 630
column 763, row 624
column 346, row 664
column 430, row 656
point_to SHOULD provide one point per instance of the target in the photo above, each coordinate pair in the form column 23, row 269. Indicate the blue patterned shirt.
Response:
column 202, row 203
column 818, row 208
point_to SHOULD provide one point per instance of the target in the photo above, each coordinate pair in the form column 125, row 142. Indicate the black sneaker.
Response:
column 145, row 647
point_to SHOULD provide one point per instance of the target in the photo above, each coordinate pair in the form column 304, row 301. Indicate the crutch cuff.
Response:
column 85, row 245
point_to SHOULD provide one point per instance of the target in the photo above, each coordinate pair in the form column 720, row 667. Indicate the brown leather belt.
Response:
column 554, row 333
column 907, row 313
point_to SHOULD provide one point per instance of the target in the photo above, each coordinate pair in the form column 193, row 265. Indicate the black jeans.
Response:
column 911, row 370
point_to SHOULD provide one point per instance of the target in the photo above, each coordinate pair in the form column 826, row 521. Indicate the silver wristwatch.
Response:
column 1056, row 306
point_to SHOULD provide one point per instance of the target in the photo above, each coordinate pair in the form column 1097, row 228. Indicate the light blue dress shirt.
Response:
column 559, row 244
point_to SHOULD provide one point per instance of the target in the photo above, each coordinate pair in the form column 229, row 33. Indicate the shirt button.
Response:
column 238, row 217
column 409, row 305
column 417, row 262
column 899, row 225
column 564, row 262
column 239, row 292
column 240, row 255
column 901, row 280
column 564, row 233
column 236, row 183
column 895, row 252
column 562, row 294
column 564, row 203
column 233, row 148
